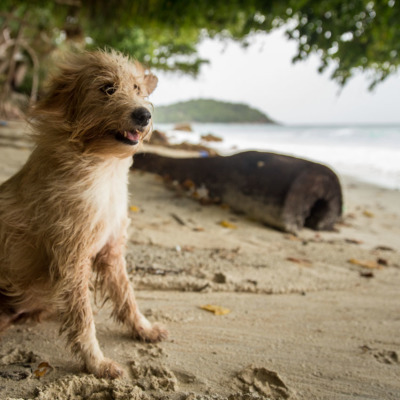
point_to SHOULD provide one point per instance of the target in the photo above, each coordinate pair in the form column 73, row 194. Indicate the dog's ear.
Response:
column 58, row 102
column 150, row 83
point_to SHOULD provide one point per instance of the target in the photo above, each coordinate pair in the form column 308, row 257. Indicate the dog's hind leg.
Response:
column 110, row 266
column 73, row 299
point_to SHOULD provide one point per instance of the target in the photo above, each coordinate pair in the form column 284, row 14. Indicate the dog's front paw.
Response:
column 107, row 369
column 150, row 332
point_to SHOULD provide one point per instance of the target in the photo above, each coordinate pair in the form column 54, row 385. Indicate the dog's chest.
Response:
column 108, row 197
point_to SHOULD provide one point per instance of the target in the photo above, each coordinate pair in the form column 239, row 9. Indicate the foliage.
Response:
column 209, row 111
column 348, row 35
column 354, row 35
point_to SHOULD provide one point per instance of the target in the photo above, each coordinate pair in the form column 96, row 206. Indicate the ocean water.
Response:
column 370, row 153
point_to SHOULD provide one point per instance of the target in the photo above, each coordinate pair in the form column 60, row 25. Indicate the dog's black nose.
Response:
column 141, row 116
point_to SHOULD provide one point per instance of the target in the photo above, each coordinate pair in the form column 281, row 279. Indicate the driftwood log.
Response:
column 284, row 192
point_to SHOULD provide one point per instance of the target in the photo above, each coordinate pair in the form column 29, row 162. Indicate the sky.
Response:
column 263, row 77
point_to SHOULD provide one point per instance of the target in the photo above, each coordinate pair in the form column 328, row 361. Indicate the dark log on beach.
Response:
column 283, row 192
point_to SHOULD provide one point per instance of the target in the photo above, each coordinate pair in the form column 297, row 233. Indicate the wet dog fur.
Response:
column 64, row 216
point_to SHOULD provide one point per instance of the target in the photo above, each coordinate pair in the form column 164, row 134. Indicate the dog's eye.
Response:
column 137, row 88
column 109, row 89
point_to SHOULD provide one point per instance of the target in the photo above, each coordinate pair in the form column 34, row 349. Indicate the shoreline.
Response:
column 304, row 322
column 370, row 153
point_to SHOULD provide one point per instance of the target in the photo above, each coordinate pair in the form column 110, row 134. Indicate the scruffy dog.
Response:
column 64, row 214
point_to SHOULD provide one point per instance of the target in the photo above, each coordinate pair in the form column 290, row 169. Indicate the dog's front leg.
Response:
column 110, row 266
column 73, row 299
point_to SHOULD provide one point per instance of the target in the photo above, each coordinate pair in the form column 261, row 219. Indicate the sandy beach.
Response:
column 301, row 321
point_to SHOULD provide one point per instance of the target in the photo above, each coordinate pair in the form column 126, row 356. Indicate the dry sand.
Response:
column 304, row 323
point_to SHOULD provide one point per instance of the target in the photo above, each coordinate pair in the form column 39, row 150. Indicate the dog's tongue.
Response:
column 133, row 136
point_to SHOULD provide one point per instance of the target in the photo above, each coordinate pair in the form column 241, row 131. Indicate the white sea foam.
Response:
column 369, row 153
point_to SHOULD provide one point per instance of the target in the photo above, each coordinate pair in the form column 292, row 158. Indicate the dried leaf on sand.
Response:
column 368, row 214
column 217, row 310
column 365, row 263
column 43, row 369
column 228, row 225
column 301, row 261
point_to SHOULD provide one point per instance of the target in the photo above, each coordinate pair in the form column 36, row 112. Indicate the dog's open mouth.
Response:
column 128, row 137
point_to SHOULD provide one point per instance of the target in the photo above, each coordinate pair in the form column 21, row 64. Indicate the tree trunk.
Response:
column 284, row 192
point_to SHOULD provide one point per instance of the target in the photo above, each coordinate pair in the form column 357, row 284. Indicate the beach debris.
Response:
column 292, row 237
column 216, row 310
column 188, row 248
column 159, row 138
column 353, row 241
column 188, row 184
column 290, row 194
column 383, row 248
column 371, row 264
column 134, row 208
column 178, row 248
column 43, row 369
column 382, row 261
column 203, row 151
column 264, row 381
column 302, row 261
column 225, row 254
column 178, row 219
column 346, row 219
column 219, row 277
column 155, row 270
column 198, row 229
column 211, row 138
column 367, row 274
column 368, row 214
column 183, row 127
column 344, row 224
column 227, row 224
column 201, row 288
column 365, row 348
column 202, row 193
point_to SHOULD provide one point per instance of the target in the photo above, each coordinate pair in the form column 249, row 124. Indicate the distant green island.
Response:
column 207, row 110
